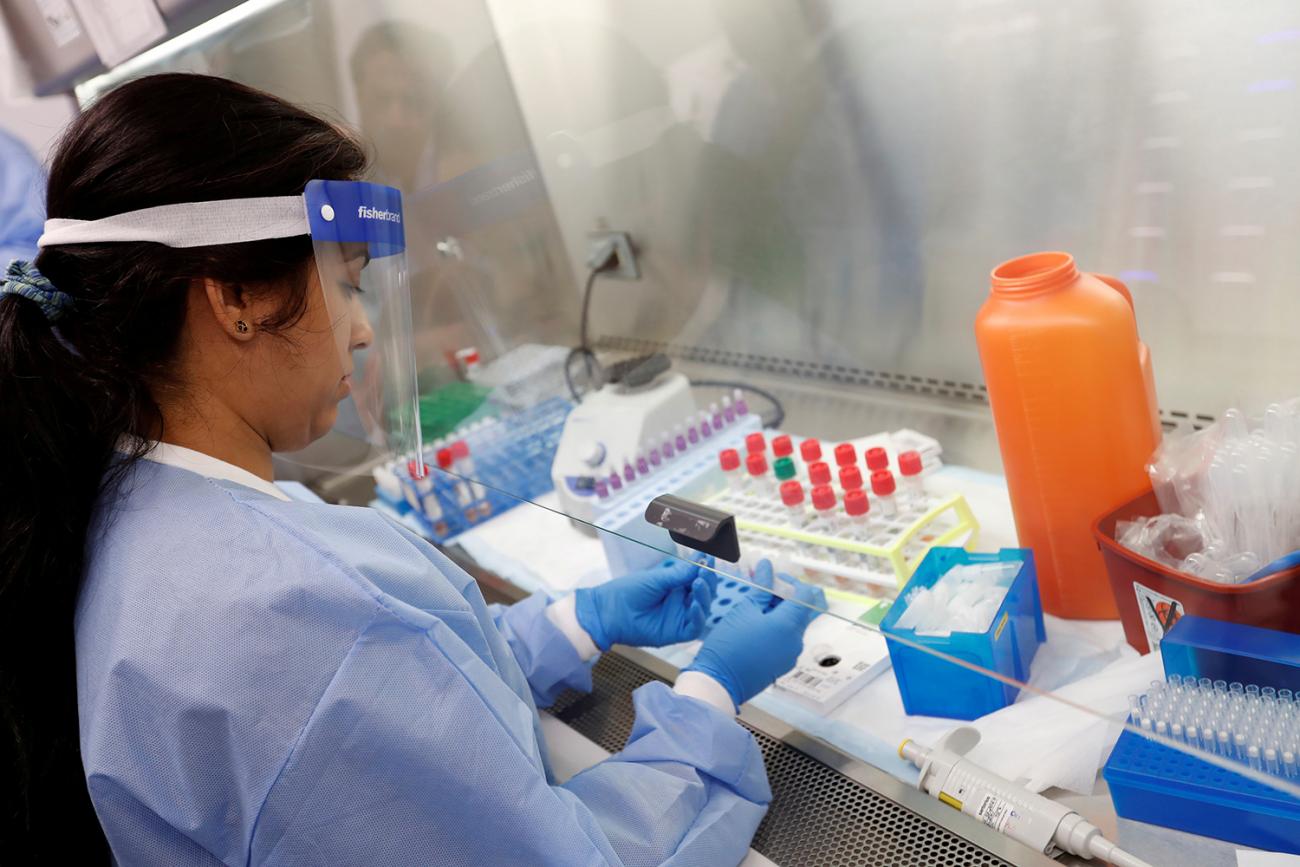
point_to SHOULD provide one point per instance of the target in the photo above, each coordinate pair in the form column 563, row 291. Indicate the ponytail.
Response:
column 87, row 336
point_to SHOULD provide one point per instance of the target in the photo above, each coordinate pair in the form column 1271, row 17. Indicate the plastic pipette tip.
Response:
column 877, row 459
column 755, row 442
column 756, row 463
column 882, row 483
column 810, row 450
column 729, row 459
column 782, row 446
column 850, row 478
column 791, row 493
column 855, row 503
column 909, row 463
column 819, row 473
column 846, row 455
column 823, row 498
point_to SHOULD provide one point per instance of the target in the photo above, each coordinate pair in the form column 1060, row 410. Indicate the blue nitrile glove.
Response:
column 664, row 605
column 760, row 638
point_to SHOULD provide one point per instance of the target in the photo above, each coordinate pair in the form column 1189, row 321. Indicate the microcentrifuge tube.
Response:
column 782, row 446
column 615, row 481
column 823, row 500
column 811, row 451
column 729, row 461
column 715, row 415
column 877, row 459
column 1253, row 757
column 909, row 468
column 693, row 434
column 882, row 485
column 846, row 455
column 667, row 448
column 760, row 483
column 1288, row 764
column 642, row 465
column 819, row 473
column 602, row 489
column 850, row 478
column 755, row 443
column 742, row 407
column 656, row 459
column 783, row 469
column 857, row 509
column 728, row 409
column 679, row 439
column 706, row 428
column 1270, row 761
column 792, row 498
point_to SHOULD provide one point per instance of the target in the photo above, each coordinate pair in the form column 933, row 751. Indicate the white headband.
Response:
column 194, row 224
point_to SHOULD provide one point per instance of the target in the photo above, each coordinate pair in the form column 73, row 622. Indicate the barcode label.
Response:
column 806, row 678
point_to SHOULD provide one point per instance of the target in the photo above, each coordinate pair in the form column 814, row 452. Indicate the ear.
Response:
column 231, row 308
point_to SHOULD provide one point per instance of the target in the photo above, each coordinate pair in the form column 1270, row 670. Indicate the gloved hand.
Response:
column 760, row 638
column 664, row 605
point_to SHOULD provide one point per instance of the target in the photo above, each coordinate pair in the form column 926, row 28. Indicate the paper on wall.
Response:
column 60, row 20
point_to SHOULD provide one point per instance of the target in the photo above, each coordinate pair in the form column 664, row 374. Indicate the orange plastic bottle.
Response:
column 1074, row 403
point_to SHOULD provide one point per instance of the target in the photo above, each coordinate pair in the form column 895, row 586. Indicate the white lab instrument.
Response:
column 1040, row 823
column 610, row 424
column 838, row 659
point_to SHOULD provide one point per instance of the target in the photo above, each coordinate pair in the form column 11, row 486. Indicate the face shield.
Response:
column 358, row 238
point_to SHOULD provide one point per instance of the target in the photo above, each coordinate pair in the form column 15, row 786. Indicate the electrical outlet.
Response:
column 625, row 265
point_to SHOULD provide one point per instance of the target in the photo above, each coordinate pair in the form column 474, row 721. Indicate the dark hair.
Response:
column 69, row 394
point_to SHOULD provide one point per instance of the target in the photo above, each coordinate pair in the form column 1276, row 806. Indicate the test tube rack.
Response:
column 890, row 555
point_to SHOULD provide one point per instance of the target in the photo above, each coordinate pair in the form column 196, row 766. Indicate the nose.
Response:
column 362, row 334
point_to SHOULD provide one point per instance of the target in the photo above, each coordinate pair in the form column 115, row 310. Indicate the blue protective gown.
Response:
column 268, row 682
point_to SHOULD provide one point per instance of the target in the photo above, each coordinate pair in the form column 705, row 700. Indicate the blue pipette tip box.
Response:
column 1200, row 647
column 1150, row 782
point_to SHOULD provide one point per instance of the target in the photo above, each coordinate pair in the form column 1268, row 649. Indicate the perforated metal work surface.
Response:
column 818, row 815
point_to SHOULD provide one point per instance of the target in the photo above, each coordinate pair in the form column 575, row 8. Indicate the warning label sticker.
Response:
column 1159, row 613
column 995, row 812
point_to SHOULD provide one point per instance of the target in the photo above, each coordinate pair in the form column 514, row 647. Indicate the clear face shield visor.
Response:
column 358, row 237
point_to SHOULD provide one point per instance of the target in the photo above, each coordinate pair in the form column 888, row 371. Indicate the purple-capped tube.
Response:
column 655, row 459
column 615, row 481
column 717, row 416
column 668, row 449
column 679, row 441
column 693, row 434
column 629, row 472
column 742, row 407
column 602, row 489
column 728, row 409
column 706, row 430
column 642, row 465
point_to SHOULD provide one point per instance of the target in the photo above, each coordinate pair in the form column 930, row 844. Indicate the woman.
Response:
column 263, row 681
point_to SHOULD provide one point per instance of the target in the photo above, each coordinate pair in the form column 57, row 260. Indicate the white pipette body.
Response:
column 1039, row 823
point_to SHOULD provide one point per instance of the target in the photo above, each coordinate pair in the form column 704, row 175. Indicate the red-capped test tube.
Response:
column 760, row 481
column 877, row 459
column 882, row 485
column 846, row 455
column 823, row 500
column 755, row 443
column 811, row 451
column 819, row 473
column 729, row 461
column 465, row 466
column 792, row 498
column 856, row 511
column 782, row 446
column 850, row 479
column 909, row 467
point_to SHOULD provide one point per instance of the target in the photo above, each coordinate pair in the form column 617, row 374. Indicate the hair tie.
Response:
column 22, row 278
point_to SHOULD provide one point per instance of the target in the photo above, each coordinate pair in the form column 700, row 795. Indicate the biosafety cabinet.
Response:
column 643, row 234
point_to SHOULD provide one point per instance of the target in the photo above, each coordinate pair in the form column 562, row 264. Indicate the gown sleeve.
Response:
column 547, row 657
column 414, row 756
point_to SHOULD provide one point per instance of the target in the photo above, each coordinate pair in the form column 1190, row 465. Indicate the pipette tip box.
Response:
column 934, row 686
column 1150, row 782
column 1201, row 647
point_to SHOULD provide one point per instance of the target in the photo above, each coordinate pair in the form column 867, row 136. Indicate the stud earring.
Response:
column 241, row 326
